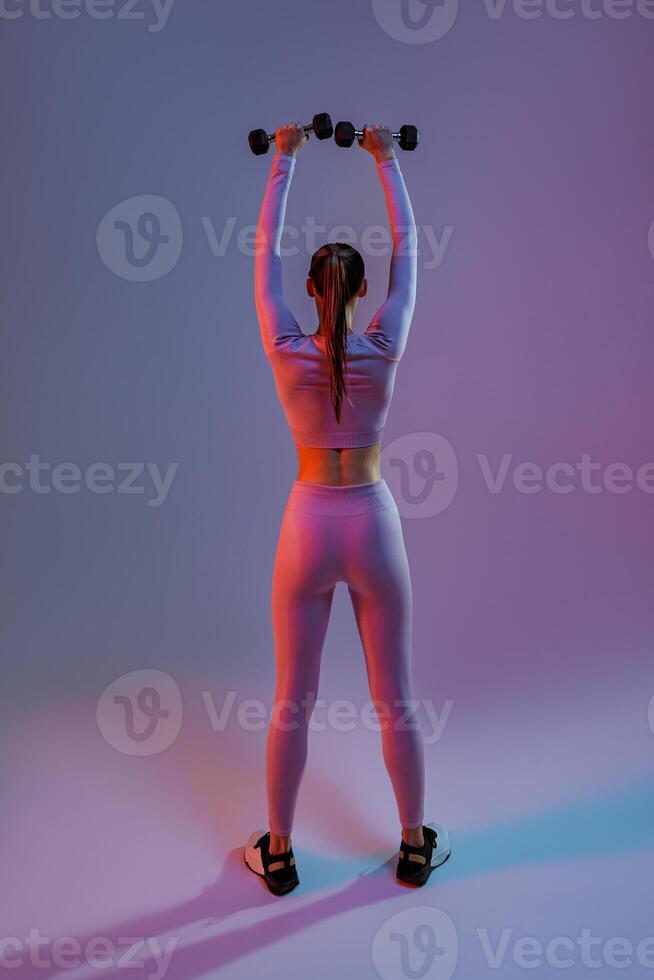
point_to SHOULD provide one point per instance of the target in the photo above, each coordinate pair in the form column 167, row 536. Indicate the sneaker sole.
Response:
column 443, row 846
column 252, row 854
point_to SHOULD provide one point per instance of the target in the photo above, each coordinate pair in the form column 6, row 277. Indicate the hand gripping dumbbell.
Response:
column 321, row 125
column 345, row 135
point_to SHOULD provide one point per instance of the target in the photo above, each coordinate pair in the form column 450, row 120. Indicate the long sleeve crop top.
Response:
column 299, row 361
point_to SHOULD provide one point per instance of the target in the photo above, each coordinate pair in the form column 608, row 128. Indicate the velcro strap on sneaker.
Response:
column 416, row 858
column 280, row 861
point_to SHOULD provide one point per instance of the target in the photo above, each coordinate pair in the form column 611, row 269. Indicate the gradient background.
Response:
column 533, row 611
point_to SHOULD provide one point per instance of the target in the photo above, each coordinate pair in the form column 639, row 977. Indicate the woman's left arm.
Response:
column 276, row 321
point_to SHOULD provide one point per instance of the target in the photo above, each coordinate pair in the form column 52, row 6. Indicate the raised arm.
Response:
column 276, row 321
column 389, row 327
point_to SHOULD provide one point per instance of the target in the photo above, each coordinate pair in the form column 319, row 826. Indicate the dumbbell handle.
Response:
column 307, row 129
column 358, row 133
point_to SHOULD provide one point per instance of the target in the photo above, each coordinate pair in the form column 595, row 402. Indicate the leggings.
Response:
column 350, row 534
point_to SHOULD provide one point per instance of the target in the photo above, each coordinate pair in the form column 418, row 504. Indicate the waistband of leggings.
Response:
column 340, row 501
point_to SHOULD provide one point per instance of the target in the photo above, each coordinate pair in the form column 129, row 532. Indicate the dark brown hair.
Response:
column 337, row 271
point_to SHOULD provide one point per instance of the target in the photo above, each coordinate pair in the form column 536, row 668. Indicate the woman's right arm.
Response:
column 276, row 322
column 390, row 325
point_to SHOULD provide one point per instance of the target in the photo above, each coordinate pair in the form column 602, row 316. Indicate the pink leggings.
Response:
column 349, row 534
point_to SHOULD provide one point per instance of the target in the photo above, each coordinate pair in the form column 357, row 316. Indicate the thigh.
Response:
column 379, row 583
column 304, row 576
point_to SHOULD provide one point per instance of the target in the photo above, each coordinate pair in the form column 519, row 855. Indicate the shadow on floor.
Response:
column 575, row 831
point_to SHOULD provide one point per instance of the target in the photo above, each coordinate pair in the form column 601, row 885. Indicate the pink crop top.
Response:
column 299, row 361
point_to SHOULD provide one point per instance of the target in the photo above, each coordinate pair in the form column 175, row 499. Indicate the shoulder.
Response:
column 290, row 344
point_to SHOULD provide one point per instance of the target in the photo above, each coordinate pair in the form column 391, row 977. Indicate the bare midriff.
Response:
column 339, row 467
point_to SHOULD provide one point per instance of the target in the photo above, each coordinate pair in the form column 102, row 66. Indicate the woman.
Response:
column 341, row 523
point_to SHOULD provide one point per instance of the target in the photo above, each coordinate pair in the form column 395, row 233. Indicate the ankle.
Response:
column 279, row 844
column 413, row 836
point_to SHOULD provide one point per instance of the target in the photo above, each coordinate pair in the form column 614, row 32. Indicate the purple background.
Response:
column 533, row 611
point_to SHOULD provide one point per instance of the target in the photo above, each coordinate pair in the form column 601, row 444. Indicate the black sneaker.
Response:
column 415, row 864
column 277, row 870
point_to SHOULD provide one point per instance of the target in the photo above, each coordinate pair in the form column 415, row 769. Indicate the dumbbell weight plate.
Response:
column 344, row 134
column 322, row 126
column 409, row 138
column 258, row 141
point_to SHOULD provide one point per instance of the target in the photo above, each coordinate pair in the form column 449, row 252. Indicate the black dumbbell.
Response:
column 345, row 135
column 321, row 125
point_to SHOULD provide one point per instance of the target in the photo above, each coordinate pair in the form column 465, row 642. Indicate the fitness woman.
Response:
column 341, row 522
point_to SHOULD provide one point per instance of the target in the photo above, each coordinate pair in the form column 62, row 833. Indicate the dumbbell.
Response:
column 345, row 135
column 321, row 125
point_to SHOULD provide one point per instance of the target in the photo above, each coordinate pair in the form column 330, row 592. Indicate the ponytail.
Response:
column 337, row 272
column 334, row 327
